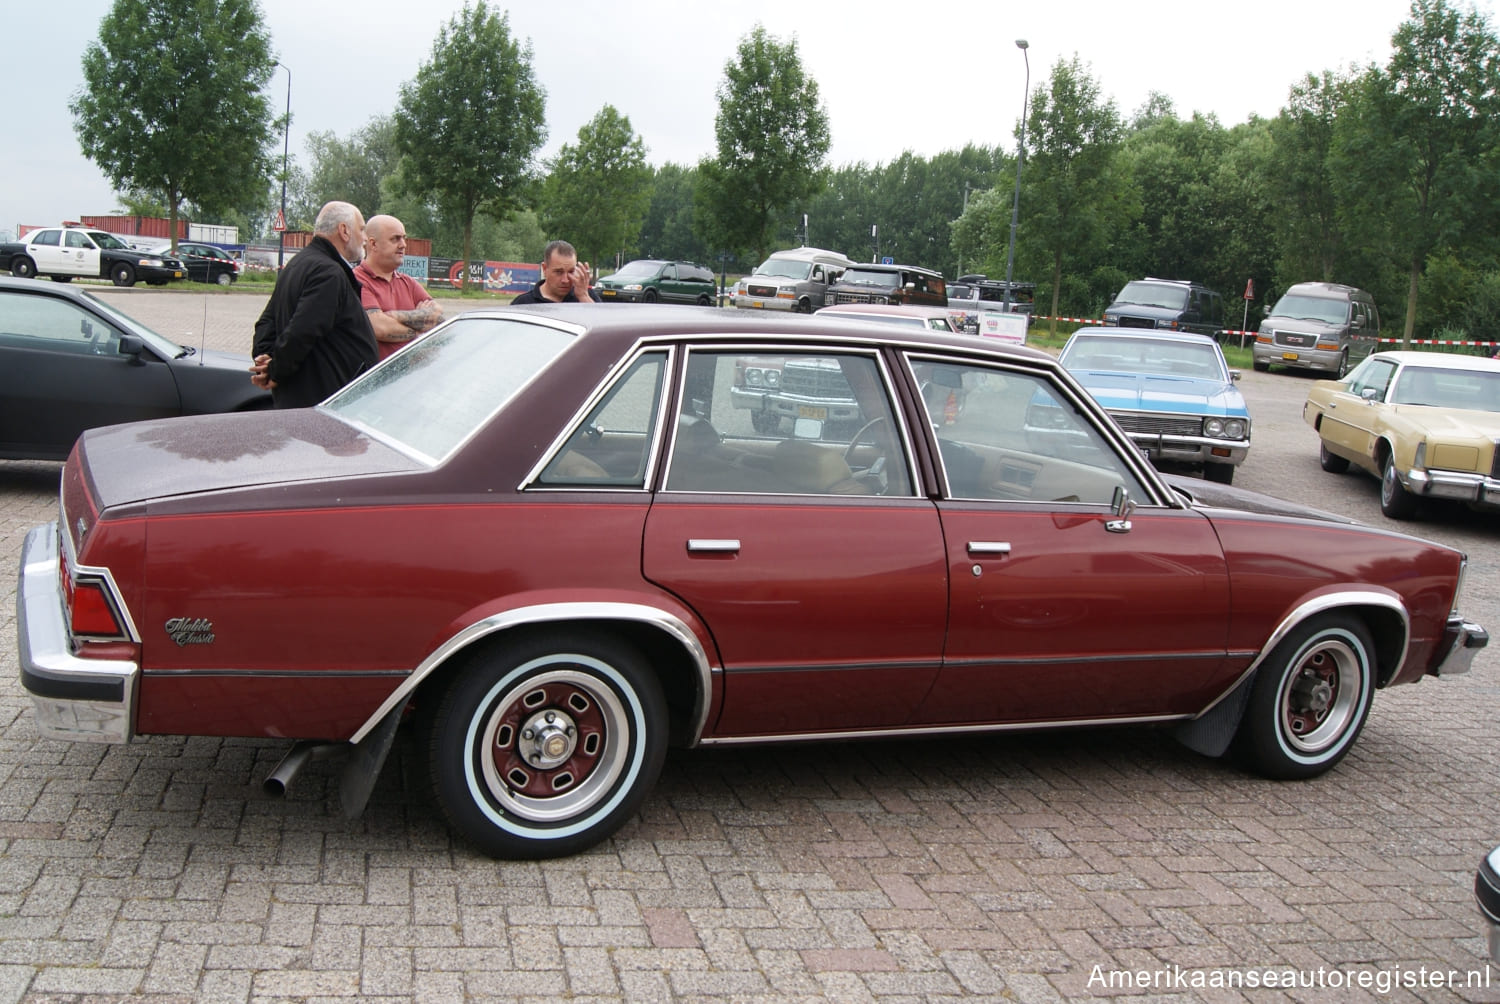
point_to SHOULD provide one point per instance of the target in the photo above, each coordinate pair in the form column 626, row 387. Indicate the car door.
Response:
column 80, row 254
column 673, row 288
column 46, row 247
column 812, row 560
column 1353, row 409
column 61, row 372
column 1060, row 608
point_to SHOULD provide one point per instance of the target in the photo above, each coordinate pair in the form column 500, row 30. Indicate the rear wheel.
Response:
column 545, row 747
column 224, row 279
column 122, row 275
column 22, row 267
column 1395, row 501
column 1331, row 462
column 1310, row 699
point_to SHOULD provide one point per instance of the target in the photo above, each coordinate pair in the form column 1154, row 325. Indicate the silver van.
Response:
column 1318, row 326
column 796, row 279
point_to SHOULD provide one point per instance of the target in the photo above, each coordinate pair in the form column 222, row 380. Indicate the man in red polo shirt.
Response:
column 399, row 307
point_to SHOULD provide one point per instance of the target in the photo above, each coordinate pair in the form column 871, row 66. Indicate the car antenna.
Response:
column 203, row 332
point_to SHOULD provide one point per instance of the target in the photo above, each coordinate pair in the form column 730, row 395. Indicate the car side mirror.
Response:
column 132, row 346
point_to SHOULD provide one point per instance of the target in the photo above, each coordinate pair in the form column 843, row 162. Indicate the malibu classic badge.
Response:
column 190, row 630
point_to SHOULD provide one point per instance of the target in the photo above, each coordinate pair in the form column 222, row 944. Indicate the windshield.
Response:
column 790, row 268
column 434, row 394
column 1312, row 308
column 105, row 240
column 638, row 270
column 1471, row 390
column 1143, row 354
column 869, row 277
column 1153, row 294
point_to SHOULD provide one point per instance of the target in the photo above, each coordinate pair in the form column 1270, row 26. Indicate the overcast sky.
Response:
column 924, row 77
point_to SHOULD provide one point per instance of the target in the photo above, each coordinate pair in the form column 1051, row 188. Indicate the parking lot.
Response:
column 1058, row 866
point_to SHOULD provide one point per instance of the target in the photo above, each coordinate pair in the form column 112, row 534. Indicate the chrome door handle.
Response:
column 712, row 546
column 988, row 547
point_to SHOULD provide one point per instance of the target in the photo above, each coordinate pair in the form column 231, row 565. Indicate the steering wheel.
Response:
column 854, row 441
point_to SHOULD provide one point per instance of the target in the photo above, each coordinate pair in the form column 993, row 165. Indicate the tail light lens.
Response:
column 91, row 611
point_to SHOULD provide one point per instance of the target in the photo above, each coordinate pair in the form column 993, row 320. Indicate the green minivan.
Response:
column 647, row 280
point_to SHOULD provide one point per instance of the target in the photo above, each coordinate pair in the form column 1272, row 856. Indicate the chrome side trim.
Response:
column 934, row 730
column 549, row 613
column 88, row 700
column 1312, row 607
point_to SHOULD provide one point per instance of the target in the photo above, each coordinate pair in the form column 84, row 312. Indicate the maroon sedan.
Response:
column 556, row 541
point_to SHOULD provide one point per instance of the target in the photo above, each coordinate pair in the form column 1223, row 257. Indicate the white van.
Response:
column 796, row 279
column 1318, row 326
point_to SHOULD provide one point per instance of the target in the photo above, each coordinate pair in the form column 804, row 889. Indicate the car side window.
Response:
column 787, row 424
column 1373, row 376
column 77, row 240
column 49, row 324
column 612, row 447
column 50, row 238
column 1011, row 436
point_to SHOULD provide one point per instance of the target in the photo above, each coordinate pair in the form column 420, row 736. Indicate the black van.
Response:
column 1173, row 304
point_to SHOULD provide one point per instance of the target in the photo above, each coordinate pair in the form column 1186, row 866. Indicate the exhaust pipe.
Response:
column 302, row 752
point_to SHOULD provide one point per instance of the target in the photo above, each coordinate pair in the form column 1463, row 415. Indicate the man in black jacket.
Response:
column 564, row 279
column 314, row 336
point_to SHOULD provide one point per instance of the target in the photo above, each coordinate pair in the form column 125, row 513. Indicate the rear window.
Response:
column 433, row 395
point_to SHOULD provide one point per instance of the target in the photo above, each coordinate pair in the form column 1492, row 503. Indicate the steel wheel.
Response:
column 547, row 747
column 1310, row 699
column 122, row 275
column 22, row 267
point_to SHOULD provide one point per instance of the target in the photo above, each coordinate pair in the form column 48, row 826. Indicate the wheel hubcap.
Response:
column 1321, row 697
column 553, row 745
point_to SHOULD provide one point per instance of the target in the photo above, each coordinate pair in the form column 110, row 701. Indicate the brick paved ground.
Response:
column 1011, row 868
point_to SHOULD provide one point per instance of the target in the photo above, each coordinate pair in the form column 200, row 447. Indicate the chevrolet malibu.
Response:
column 547, row 539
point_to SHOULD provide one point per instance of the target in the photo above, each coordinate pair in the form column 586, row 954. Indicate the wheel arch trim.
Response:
column 557, row 613
column 1392, row 632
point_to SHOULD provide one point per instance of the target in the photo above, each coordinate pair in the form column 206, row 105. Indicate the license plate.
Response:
column 606, row 293
column 177, row 275
column 803, row 411
column 756, row 303
column 1290, row 356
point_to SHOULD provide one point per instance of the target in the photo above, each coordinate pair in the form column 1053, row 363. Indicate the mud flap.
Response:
column 365, row 760
column 1211, row 733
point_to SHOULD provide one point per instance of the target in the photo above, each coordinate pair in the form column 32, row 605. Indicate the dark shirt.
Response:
column 534, row 295
column 314, row 328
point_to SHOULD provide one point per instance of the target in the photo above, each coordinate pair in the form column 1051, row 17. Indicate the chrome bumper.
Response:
column 1462, row 639
column 1458, row 485
column 89, row 700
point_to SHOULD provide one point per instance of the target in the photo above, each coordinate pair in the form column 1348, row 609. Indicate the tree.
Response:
column 353, row 169
column 470, row 123
column 1075, row 195
column 1301, row 176
column 1415, row 156
column 598, row 191
column 172, row 104
column 772, row 136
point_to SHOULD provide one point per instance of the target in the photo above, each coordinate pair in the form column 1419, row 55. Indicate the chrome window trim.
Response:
column 549, row 613
column 653, row 446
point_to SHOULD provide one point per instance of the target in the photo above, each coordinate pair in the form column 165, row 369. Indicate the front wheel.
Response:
column 22, row 267
column 1310, row 699
column 650, row 295
column 545, row 747
column 1261, row 366
column 1395, row 501
column 122, row 275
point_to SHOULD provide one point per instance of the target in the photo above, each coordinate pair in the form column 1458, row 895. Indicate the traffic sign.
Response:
column 279, row 224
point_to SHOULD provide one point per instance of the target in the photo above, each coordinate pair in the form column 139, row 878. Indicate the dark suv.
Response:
column 206, row 263
column 650, row 281
column 1172, row 304
column 888, row 284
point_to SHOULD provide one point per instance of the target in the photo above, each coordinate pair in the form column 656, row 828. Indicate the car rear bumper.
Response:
column 89, row 700
column 1462, row 640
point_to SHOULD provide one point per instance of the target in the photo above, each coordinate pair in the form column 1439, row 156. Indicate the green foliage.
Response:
column 351, row 170
column 597, row 192
column 172, row 107
column 772, row 137
column 667, row 231
column 470, row 123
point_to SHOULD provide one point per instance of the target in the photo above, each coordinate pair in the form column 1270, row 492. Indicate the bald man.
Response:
column 398, row 306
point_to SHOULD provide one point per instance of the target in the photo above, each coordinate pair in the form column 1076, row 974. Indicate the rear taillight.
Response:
column 91, row 614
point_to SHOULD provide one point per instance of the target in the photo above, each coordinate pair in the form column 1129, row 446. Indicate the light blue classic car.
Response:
column 1174, row 394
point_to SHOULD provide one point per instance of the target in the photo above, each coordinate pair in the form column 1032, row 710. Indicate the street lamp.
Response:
column 286, row 139
column 1015, row 206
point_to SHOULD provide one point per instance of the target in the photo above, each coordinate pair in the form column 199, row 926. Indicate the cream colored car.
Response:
column 1425, row 423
